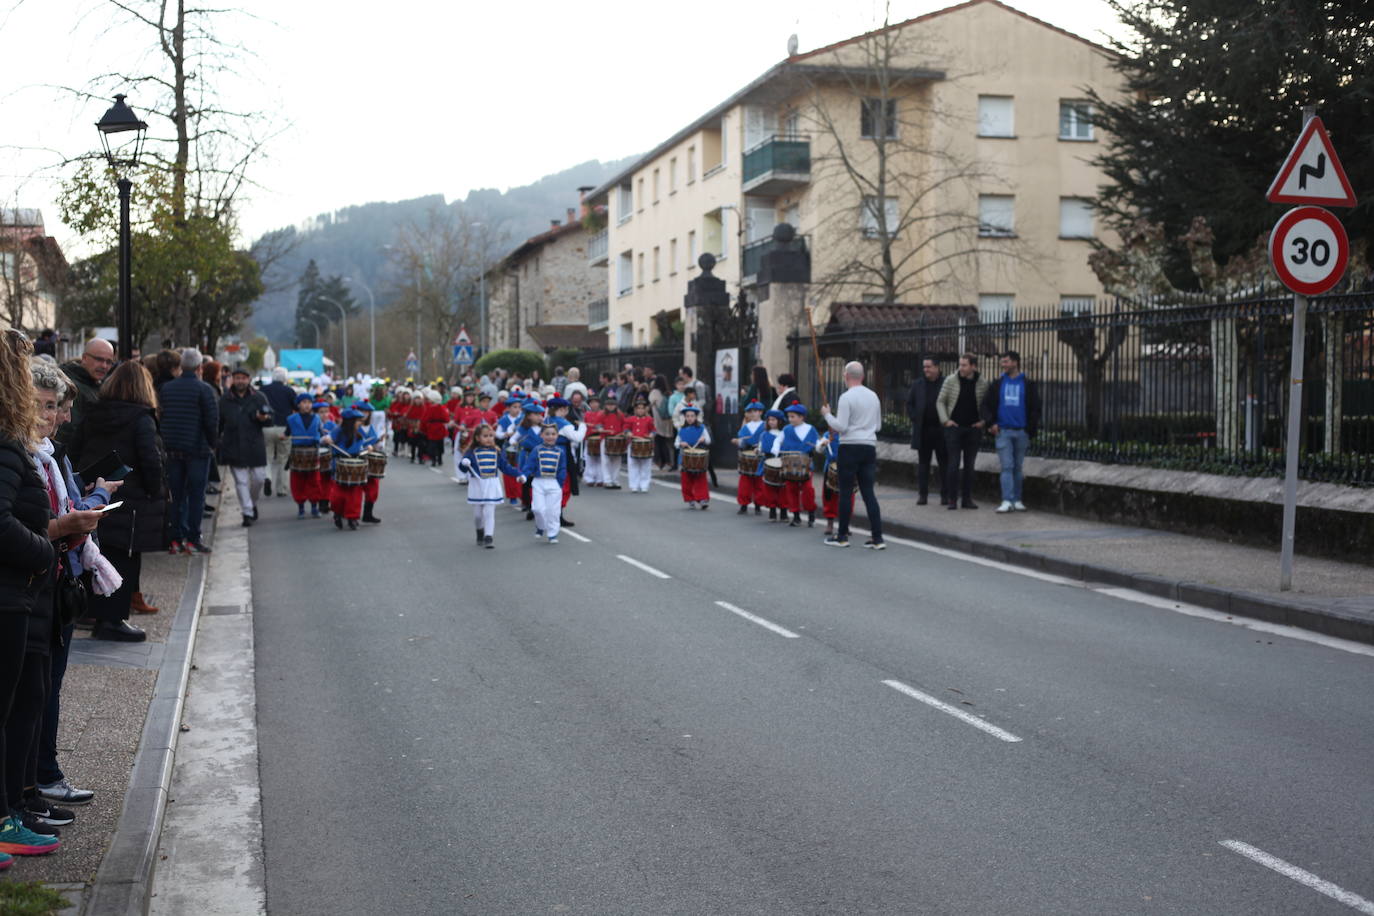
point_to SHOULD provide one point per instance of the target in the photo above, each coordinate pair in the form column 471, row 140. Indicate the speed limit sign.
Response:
column 1309, row 250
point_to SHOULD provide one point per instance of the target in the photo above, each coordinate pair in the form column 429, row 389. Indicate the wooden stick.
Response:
column 816, row 352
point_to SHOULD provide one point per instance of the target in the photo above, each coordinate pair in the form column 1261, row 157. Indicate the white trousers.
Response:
column 546, row 499
column 592, row 474
column 610, row 469
column 278, row 450
column 484, row 518
column 248, row 484
column 641, row 472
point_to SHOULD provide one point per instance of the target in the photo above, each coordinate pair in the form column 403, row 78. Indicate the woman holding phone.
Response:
column 124, row 420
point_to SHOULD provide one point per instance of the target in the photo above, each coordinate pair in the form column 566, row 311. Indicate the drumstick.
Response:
column 815, row 352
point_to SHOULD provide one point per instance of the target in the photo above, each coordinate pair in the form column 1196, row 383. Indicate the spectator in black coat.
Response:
column 190, row 432
column 124, row 421
column 88, row 373
column 243, row 414
column 927, row 435
column 27, row 558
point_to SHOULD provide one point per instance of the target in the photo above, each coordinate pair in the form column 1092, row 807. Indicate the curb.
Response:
column 1353, row 624
column 125, row 878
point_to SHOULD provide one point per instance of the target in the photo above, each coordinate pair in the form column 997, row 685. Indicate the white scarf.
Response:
column 104, row 577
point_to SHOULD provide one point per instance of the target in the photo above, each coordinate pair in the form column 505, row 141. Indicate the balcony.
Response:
column 751, row 261
column 598, row 314
column 598, row 248
column 777, row 165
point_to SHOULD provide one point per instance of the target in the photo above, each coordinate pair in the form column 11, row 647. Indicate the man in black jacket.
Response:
column 190, row 431
column 927, row 436
column 87, row 373
column 243, row 414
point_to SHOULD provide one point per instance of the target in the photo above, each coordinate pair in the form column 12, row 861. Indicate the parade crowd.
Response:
column 102, row 461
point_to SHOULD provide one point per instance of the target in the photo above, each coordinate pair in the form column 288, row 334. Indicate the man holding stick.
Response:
column 860, row 415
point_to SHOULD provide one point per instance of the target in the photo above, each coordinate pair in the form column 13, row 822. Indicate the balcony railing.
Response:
column 777, row 165
column 598, row 314
column 752, row 256
column 598, row 248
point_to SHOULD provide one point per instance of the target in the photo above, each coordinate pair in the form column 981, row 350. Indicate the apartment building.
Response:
column 988, row 174
column 546, row 293
column 32, row 271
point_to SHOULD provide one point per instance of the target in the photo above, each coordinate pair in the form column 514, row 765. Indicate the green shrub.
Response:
column 518, row 362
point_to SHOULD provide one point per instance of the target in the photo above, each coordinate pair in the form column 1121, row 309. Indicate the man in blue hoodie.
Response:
column 1011, row 409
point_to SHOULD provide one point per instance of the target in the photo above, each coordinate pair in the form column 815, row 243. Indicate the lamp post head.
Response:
column 120, row 119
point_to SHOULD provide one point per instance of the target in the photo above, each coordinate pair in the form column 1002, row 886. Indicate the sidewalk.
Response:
column 107, row 696
column 1328, row 596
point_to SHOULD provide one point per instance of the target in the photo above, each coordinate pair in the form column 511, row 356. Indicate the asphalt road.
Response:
column 551, row 729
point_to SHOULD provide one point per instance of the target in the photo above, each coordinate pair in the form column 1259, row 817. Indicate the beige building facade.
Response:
column 32, row 269
column 977, row 114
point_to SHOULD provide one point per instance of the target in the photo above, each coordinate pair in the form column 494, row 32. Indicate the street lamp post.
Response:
column 344, row 315
column 319, row 335
column 372, row 319
column 122, row 153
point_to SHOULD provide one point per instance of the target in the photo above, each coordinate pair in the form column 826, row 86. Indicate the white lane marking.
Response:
column 1127, row 594
column 574, row 535
column 663, row 483
column 954, row 711
column 754, row 618
column 1302, row 876
column 644, row 566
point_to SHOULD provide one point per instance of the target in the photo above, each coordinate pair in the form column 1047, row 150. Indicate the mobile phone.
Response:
column 110, row 507
column 110, row 467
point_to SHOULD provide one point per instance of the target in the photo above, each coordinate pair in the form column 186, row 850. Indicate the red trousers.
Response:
column 326, row 489
column 830, row 502
column 512, row 485
column 305, row 486
column 567, row 491
column 695, row 488
column 371, row 489
column 752, row 489
column 770, row 497
column 799, row 495
column 347, row 500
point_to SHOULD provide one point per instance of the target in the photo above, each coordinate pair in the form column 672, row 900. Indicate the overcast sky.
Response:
column 386, row 101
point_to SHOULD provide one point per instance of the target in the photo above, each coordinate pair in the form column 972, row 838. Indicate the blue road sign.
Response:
column 462, row 355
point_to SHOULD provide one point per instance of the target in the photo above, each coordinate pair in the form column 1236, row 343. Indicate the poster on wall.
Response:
column 727, row 381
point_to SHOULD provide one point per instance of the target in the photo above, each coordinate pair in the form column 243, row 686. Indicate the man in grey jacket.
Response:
column 857, row 423
column 959, row 406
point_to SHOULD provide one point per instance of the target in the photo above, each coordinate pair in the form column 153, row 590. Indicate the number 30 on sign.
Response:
column 1309, row 250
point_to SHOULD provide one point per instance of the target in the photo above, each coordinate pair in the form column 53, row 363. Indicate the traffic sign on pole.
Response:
column 462, row 337
column 462, row 354
column 1309, row 250
column 1312, row 173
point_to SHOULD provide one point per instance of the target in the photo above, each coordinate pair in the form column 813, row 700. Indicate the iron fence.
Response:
column 1196, row 386
column 664, row 360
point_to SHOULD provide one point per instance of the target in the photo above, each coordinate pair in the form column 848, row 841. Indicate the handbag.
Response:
column 73, row 599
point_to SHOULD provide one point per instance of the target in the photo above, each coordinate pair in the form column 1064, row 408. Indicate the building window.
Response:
column 878, row 115
column 625, row 202
column 656, row 194
column 691, row 249
column 640, row 189
column 1075, row 218
column 868, row 217
column 639, row 277
column 672, row 257
column 656, row 265
column 995, row 116
column 791, row 125
column 624, row 273
column 1075, row 120
column 625, row 336
column 995, row 215
column 691, row 164
column 1076, row 305
column 994, row 307
column 672, row 175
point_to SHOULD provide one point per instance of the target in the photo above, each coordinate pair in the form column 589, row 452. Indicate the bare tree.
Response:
column 438, row 267
column 898, row 195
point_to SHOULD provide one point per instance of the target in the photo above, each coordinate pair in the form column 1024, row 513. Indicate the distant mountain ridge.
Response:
column 349, row 241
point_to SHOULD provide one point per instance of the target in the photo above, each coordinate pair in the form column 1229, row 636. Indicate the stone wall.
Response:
column 557, row 284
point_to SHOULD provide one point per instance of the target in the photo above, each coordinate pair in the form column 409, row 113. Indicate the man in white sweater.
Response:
column 861, row 413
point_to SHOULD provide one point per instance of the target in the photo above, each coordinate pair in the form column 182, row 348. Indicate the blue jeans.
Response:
column 186, row 478
column 1011, row 453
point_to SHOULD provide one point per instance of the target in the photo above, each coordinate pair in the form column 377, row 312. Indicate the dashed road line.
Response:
column 1302, row 876
column 954, row 711
column 644, row 566
column 754, row 618
column 574, row 535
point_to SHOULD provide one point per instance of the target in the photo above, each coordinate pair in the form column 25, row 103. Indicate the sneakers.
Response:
column 300, row 513
column 481, row 536
column 46, row 813
column 267, row 488
column 65, row 793
column 875, row 545
column 704, row 505
column 1005, row 507
column 1019, row 506
column 538, row 533
column 197, row 547
column 18, row 840
column 174, row 548
column 833, row 541
column 488, row 543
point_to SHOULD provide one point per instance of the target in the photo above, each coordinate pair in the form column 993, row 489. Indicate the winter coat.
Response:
column 190, row 416
column 241, row 443
column 923, row 392
column 949, row 395
column 27, row 558
column 138, row 526
column 87, row 393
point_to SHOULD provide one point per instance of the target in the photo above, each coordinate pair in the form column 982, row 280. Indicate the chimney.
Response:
column 572, row 215
column 582, row 198
column 555, row 223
